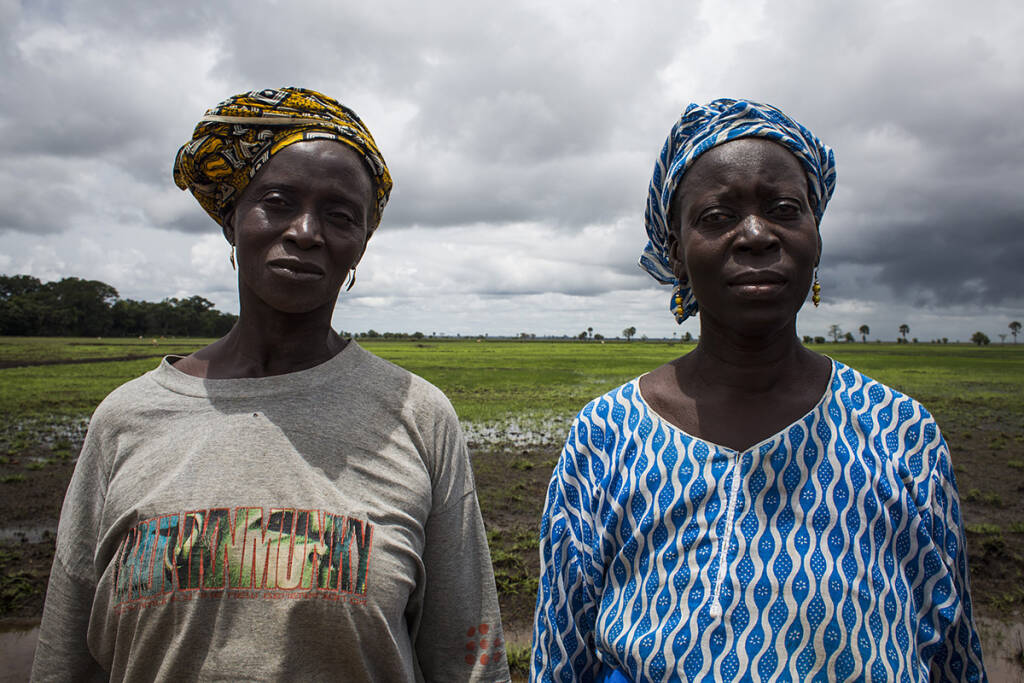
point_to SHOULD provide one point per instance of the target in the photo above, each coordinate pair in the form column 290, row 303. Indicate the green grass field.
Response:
column 494, row 380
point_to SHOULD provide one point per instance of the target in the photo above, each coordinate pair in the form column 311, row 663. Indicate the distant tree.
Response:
column 1002, row 338
column 590, row 331
column 980, row 338
column 864, row 332
column 807, row 339
column 904, row 331
column 1015, row 330
column 687, row 337
column 629, row 332
column 582, row 335
column 848, row 337
column 819, row 340
column 598, row 336
column 835, row 332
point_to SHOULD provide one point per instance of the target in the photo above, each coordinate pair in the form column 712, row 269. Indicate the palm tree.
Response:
column 904, row 330
column 590, row 331
column 864, row 332
column 629, row 332
column 1015, row 330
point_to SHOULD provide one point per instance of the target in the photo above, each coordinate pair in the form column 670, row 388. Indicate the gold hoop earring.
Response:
column 816, row 290
column 232, row 258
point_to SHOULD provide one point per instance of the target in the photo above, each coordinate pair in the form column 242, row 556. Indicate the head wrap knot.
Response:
column 702, row 127
column 234, row 139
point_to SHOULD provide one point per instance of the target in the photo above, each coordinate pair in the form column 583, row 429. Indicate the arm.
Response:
column 954, row 651
column 563, row 631
column 63, row 651
column 459, row 635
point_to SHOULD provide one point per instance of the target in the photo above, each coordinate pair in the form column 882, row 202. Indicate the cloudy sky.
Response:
column 521, row 136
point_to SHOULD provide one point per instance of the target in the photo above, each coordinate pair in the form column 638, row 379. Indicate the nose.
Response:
column 305, row 230
column 756, row 234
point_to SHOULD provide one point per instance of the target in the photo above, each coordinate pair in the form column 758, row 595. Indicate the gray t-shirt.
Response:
column 319, row 525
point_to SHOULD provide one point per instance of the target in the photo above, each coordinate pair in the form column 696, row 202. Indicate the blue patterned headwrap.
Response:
column 702, row 127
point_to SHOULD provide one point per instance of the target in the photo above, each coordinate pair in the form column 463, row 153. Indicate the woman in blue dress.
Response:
column 752, row 510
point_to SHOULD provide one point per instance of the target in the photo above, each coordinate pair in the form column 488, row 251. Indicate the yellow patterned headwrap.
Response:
column 234, row 139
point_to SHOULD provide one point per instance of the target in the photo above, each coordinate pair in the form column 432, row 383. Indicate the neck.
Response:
column 267, row 342
column 757, row 364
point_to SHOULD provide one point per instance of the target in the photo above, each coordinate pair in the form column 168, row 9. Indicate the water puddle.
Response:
column 517, row 432
column 17, row 645
column 28, row 533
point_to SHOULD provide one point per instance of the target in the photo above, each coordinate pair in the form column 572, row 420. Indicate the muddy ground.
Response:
column 989, row 465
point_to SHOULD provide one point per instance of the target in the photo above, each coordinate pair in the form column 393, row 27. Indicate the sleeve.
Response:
column 563, row 630
column 459, row 636
column 953, row 647
column 63, row 653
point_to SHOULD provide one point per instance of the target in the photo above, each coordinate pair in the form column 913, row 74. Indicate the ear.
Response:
column 228, row 227
column 675, row 257
column 369, row 234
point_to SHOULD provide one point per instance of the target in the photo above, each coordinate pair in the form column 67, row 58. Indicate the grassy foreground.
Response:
column 976, row 394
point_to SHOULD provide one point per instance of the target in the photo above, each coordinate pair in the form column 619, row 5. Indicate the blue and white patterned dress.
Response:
column 832, row 550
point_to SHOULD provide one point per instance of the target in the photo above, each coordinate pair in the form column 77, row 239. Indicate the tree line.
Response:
column 73, row 307
column 979, row 338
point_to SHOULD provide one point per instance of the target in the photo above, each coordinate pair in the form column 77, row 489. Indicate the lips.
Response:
column 296, row 269
column 757, row 283
column 757, row 277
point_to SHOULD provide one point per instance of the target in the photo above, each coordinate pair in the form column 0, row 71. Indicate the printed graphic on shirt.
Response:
column 482, row 646
column 245, row 553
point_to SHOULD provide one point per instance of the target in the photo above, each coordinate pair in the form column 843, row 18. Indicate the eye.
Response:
column 341, row 216
column 275, row 200
column 786, row 209
column 714, row 216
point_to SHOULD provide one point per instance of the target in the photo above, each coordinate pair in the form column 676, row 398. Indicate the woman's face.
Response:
column 301, row 225
column 746, row 236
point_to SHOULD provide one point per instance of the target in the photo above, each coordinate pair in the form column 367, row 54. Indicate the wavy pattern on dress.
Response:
column 830, row 551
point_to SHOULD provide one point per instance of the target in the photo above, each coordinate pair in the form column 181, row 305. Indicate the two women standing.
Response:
column 282, row 503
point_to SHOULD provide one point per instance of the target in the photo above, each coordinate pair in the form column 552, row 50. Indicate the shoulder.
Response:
column 129, row 399
column 615, row 406
column 386, row 382
column 861, row 393
column 607, row 419
column 891, row 422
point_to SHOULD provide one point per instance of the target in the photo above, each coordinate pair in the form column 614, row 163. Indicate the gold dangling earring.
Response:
column 352, row 279
column 679, row 304
column 232, row 258
column 816, row 290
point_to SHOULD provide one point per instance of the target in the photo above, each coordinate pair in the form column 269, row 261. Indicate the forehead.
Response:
column 746, row 163
column 317, row 164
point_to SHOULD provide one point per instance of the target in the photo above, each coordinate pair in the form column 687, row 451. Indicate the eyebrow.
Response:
column 342, row 192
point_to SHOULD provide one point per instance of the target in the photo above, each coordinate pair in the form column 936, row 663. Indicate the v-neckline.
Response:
column 834, row 371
